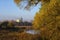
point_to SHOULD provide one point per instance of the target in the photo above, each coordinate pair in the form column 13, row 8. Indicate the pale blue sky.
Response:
column 10, row 11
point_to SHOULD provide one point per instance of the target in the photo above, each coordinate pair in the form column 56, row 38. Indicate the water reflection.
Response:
column 32, row 31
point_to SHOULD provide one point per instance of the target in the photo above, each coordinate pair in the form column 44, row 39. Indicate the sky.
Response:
column 10, row 11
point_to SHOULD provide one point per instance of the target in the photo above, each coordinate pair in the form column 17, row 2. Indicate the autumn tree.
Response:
column 47, row 20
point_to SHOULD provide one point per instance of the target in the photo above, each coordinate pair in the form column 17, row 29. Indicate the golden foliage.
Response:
column 48, row 20
column 17, row 1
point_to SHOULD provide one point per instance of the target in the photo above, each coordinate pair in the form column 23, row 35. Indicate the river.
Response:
column 33, row 31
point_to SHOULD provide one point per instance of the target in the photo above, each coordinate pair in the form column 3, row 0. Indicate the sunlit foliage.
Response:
column 47, row 20
column 17, row 1
column 29, row 3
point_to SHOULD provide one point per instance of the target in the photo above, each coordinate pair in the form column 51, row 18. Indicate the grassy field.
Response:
column 16, row 35
column 7, row 35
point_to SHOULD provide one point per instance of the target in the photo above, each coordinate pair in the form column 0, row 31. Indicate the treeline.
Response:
column 12, row 25
column 24, row 23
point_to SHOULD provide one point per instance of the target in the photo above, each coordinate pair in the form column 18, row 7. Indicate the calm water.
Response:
column 32, row 31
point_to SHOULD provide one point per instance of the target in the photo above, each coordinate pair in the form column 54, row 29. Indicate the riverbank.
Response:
column 6, row 35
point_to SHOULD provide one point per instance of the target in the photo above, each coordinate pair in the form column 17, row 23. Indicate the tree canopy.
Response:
column 29, row 3
column 47, row 20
